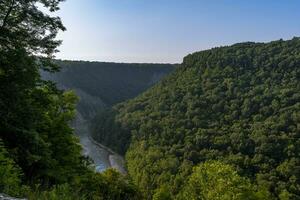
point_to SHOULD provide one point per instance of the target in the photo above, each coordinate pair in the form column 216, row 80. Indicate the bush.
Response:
column 10, row 181
column 214, row 180
column 58, row 192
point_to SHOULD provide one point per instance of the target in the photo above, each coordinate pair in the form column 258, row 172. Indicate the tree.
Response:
column 10, row 174
column 35, row 116
column 238, row 104
column 162, row 193
column 214, row 180
column 27, row 44
column 23, row 24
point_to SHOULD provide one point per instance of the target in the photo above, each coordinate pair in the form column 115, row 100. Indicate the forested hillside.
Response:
column 40, row 157
column 100, row 85
column 224, row 125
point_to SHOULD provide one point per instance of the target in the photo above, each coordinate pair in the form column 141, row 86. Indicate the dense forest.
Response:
column 40, row 157
column 224, row 125
column 100, row 85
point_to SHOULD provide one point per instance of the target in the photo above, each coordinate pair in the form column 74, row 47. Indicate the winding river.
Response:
column 102, row 156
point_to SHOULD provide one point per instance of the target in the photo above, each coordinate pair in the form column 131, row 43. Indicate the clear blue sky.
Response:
column 166, row 30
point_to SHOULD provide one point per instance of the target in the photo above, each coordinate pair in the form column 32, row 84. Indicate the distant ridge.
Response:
column 102, row 84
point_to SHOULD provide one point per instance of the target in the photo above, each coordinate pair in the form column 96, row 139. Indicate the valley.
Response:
column 209, row 108
column 221, row 124
column 99, row 86
column 233, row 108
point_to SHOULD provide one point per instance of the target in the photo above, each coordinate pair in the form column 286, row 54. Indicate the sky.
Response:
column 165, row 31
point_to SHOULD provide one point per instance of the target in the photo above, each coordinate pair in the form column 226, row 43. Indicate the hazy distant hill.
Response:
column 100, row 84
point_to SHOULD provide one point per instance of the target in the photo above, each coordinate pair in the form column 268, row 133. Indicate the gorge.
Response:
column 99, row 86
column 224, row 124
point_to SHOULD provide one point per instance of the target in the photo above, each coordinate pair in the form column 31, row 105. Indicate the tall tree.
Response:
column 23, row 24
column 34, row 115
column 27, row 45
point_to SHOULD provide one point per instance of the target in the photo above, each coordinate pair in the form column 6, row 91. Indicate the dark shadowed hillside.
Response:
column 100, row 84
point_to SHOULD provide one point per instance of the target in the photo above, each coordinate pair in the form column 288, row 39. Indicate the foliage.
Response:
column 237, row 104
column 10, row 174
column 58, row 192
column 24, row 26
column 112, row 82
column 162, row 193
column 214, row 180
column 38, row 142
column 105, row 122
column 110, row 185
column 100, row 85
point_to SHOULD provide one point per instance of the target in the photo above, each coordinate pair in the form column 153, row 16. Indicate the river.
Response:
column 102, row 156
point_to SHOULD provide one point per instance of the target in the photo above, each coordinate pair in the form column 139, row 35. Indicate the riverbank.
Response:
column 116, row 161
column 102, row 156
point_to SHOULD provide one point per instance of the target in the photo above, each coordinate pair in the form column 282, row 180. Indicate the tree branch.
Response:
column 7, row 14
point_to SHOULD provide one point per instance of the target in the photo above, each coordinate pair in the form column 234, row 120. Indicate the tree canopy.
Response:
column 214, row 180
column 40, row 157
column 237, row 104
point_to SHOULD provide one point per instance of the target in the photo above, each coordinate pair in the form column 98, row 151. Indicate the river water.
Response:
column 99, row 155
column 102, row 156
